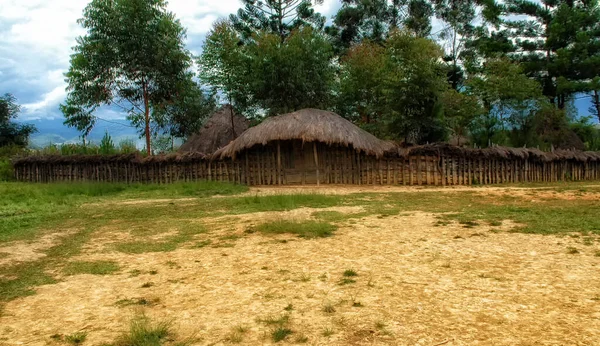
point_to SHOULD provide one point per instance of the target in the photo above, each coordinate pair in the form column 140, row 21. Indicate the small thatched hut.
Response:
column 221, row 128
column 306, row 146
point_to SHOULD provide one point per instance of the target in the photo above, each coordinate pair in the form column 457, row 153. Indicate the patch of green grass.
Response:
column 327, row 332
column 350, row 273
column 137, row 301
column 233, row 237
column 304, row 229
column 237, row 334
column 202, row 244
column 76, row 338
column 328, row 308
column 171, row 243
column 144, row 332
column 135, row 272
column 301, row 339
column 280, row 334
column 25, row 208
column 572, row 250
column 95, row 268
column 346, row 281
column 275, row 321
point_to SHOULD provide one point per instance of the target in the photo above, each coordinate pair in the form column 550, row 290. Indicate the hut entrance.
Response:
column 298, row 162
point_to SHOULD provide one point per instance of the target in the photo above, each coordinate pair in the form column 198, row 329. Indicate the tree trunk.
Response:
column 147, row 120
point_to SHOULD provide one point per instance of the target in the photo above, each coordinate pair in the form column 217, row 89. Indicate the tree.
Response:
column 460, row 112
column 12, row 133
column 394, row 89
column 508, row 96
column 279, row 17
column 555, row 41
column 376, row 19
column 267, row 74
column 291, row 75
column 225, row 66
column 185, row 114
column 415, row 82
column 132, row 57
column 361, row 92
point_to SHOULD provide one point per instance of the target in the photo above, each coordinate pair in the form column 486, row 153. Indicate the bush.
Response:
column 6, row 168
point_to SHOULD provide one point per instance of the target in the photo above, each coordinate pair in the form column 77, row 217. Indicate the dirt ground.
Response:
column 418, row 283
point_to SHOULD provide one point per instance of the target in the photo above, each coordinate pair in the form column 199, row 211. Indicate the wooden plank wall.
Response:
column 336, row 166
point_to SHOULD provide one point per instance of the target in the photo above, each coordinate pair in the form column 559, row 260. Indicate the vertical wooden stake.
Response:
column 278, row 163
column 316, row 160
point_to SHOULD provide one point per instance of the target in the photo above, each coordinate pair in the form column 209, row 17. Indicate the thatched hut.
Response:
column 221, row 128
column 306, row 146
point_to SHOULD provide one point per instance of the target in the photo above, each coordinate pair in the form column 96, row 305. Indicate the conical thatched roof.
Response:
column 308, row 125
column 216, row 133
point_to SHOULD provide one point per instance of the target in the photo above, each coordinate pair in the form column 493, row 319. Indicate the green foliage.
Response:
column 145, row 332
column 12, row 133
column 185, row 115
column 267, row 73
column 76, row 338
column 588, row 132
column 294, row 74
column 131, row 56
column 127, row 146
column 304, row 229
column 107, row 147
column 6, row 154
column 402, row 90
column 275, row 17
column 374, row 20
column 460, row 111
column 95, row 268
column 224, row 66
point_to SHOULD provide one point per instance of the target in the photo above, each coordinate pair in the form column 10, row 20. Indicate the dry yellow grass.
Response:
column 417, row 284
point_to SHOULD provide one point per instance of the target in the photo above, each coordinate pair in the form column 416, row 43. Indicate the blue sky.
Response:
column 36, row 37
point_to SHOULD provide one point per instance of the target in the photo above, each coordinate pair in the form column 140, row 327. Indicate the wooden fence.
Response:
column 335, row 166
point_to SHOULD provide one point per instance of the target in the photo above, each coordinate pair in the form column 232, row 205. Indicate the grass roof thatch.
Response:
column 216, row 133
column 498, row 152
column 307, row 125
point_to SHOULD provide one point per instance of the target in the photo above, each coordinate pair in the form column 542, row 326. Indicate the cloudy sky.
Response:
column 36, row 37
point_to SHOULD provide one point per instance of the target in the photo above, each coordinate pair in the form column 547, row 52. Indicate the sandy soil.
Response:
column 418, row 284
column 349, row 189
column 25, row 251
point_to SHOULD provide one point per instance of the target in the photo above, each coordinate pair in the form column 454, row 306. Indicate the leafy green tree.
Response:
column 107, row 146
column 132, row 57
column 267, row 74
column 415, row 83
column 395, row 89
column 225, row 66
column 279, row 17
column 460, row 112
column 185, row 114
column 376, row 19
column 555, row 41
column 361, row 96
column 291, row 75
column 11, row 132
column 505, row 91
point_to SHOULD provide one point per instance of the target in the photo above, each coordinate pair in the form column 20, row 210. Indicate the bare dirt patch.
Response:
column 417, row 284
column 30, row 250
column 351, row 189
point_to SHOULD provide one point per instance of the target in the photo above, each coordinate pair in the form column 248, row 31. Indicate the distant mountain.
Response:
column 53, row 131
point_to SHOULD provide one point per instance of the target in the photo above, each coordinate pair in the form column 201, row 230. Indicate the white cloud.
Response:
column 36, row 37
